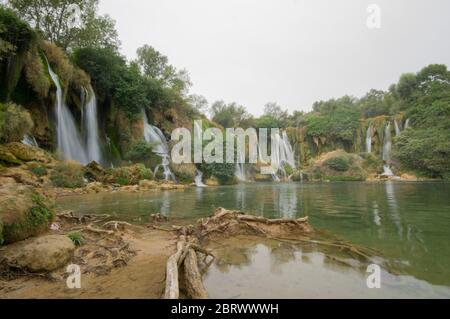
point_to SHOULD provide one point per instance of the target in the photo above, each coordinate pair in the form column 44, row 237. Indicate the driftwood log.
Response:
column 222, row 223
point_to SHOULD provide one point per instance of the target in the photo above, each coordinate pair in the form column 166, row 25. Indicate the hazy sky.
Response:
column 292, row 52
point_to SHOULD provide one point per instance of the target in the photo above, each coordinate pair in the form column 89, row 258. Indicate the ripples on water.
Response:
column 408, row 222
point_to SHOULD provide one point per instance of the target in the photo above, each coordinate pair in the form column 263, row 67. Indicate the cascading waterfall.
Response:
column 90, row 125
column 199, row 179
column 282, row 154
column 397, row 128
column 152, row 134
column 369, row 140
column 387, row 150
column 240, row 168
column 30, row 141
column 69, row 142
column 407, row 123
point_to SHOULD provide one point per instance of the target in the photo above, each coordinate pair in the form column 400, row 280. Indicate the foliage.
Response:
column 140, row 150
column 224, row 172
column 39, row 171
column 230, row 115
column 155, row 66
column 68, row 174
column 15, row 122
column 131, row 175
column 36, row 74
column 76, row 238
column 68, row 23
column 339, row 163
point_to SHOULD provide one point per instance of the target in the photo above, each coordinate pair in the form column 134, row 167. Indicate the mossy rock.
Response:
column 28, row 153
column 130, row 175
column 23, row 213
column 7, row 157
column 185, row 173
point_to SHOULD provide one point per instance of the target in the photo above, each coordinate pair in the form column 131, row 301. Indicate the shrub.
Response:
column 140, row 150
column 131, row 175
column 68, row 174
column 76, row 238
column 39, row 171
column 339, row 163
column 223, row 172
column 36, row 74
column 59, row 61
column 15, row 122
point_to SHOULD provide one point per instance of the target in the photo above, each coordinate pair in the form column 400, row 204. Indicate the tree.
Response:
column 199, row 103
column 68, row 23
column 230, row 115
column 156, row 66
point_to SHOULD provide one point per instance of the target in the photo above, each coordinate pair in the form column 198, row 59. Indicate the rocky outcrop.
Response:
column 42, row 254
column 24, row 212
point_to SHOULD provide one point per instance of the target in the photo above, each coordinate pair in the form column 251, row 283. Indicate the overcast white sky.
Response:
column 293, row 52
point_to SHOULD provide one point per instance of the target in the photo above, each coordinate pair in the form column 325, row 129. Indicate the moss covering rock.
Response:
column 68, row 174
column 185, row 173
column 24, row 212
column 337, row 166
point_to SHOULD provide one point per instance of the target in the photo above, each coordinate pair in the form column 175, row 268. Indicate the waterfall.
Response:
column 369, row 140
column 152, row 134
column 199, row 179
column 387, row 150
column 30, row 141
column 407, row 123
column 397, row 128
column 240, row 168
column 282, row 154
column 69, row 142
column 90, row 125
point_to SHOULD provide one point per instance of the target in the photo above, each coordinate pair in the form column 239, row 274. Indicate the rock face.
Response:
column 23, row 212
column 40, row 254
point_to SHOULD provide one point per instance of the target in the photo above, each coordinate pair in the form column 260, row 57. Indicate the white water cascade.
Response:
column 90, row 126
column 240, row 168
column 282, row 154
column 199, row 179
column 407, row 123
column 152, row 134
column 369, row 140
column 397, row 128
column 30, row 141
column 69, row 142
column 387, row 150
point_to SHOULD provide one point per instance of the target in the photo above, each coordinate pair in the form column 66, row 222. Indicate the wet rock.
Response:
column 46, row 253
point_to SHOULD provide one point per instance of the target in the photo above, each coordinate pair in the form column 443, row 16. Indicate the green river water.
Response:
column 409, row 223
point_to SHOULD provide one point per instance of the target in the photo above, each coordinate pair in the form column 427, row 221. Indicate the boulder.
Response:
column 7, row 157
column 24, row 212
column 29, row 153
column 46, row 253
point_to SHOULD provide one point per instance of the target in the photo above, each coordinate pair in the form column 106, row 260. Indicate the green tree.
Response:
column 230, row 115
column 68, row 23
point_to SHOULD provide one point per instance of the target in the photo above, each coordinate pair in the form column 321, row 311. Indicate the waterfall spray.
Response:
column 369, row 140
column 69, row 142
column 387, row 150
column 397, row 128
column 152, row 134
column 90, row 124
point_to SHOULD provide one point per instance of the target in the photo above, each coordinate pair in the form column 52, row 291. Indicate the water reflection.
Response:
column 245, row 269
column 408, row 222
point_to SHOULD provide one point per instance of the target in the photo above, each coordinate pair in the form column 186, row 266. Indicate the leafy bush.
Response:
column 76, row 238
column 39, row 171
column 36, row 74
column 140, row 150
column 340, row 163
column 223, row 172
column 15, row 122
column 68, row 174
column 131, row 175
